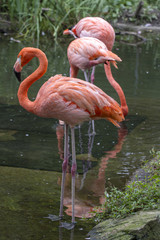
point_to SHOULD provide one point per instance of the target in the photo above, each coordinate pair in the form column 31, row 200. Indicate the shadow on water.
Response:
column 31, row 148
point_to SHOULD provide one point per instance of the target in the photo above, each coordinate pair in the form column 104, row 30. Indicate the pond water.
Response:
column 31, row 148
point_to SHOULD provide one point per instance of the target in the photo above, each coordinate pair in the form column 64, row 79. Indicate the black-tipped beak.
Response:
column 18, row 75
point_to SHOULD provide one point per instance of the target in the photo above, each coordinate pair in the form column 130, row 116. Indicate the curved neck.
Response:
column 117, row 87
column 25, row 85
column 73, row 71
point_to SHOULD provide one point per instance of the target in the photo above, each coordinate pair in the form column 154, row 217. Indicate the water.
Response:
column 31, row 148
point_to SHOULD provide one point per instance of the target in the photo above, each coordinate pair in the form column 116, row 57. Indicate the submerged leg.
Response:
column 64, row 168
column 73, row 171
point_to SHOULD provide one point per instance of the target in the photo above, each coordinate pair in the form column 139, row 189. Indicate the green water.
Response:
column 31, row 156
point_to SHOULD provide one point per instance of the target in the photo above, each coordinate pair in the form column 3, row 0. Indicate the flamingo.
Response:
column 99, row 28
column 93, row 27
column 86, row 52
column 68, row 99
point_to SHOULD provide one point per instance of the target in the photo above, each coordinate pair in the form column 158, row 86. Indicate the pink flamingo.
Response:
column 68, row 99
column 99, row 28
column 86, row 52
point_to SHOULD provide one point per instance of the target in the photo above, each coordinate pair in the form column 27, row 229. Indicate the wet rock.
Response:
column 144, row 225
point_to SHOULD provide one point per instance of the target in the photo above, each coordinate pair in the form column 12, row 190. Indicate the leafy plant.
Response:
column 39, row 17
column 137, row 195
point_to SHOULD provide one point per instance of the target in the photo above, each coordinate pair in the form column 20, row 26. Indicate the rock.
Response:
column 144, row 225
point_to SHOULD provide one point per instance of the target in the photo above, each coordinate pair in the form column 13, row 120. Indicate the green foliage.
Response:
column 34, row 18
column 138, row 195
column 155, row 153
column 49, row 16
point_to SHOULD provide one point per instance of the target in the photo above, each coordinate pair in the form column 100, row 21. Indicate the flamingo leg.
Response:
column 64, row 169
column 93, row 128
column 73, row 172
column 86, row 76
column 91, row 140
column 89, row 73
column 92, row 74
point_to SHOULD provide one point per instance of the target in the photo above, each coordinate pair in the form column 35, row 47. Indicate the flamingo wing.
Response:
column 73, row 101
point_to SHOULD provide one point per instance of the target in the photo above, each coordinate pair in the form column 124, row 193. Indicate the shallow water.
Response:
column 31, row 148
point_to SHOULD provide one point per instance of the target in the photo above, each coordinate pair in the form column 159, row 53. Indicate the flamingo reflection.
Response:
column 90, row 187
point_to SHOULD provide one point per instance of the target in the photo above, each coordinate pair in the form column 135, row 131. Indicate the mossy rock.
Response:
column 144, row 225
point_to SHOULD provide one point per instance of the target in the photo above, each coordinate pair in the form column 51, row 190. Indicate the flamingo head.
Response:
column 24, row 56
column 71, row 31
column 113, row 58
column 104, row 57
column 124, row 110
column 17, row 69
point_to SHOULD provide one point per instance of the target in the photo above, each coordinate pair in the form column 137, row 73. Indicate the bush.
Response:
column 138, row 195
